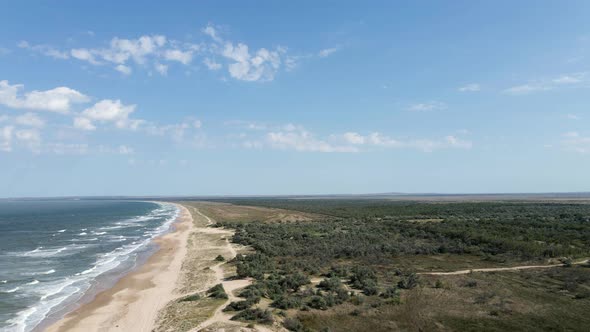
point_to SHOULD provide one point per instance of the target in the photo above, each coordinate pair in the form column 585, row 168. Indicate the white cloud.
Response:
column 569, row 80
column 162, row 69
column 573, row 117
column 211, row 64
column 354, row 138
column 429, row 106
column 107, row 111
column 303, row 141
column 262, row 66
column 31, row 138
column 84, row 55
column 83, row 124
column 472, row 87
column 58, row 100
column 45, row 50
column 30, row 120
column 290, row 137
column 526, row 89
column 155, row 51
column 210, row 31
column 184, row 57
column 575, row 142
column 6, row 138
column 126, row 70
column 327, row 52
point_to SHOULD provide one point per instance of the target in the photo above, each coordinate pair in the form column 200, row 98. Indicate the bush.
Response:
column 217, row 292
column 408, row 282
column 332, row 284
column 317, row 302
column 287, row 302
column 390, row 292
column 294, row 281
column 257, row 315
column 370, row 288
column 190, row 298
column 439, row 284
column 240, row 305
column 220, row 258
column 293, row 324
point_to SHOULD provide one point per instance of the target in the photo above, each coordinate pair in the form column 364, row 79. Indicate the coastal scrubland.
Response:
column 357, row 265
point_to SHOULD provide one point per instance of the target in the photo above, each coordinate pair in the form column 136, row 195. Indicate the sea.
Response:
column 57, row 254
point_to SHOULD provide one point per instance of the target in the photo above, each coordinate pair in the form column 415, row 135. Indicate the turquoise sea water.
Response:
column 54, row 252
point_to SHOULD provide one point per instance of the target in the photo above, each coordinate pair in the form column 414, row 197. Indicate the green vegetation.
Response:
column 365, row 257
column 217, row 292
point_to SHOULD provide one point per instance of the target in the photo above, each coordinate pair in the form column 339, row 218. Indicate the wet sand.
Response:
column 133, row 303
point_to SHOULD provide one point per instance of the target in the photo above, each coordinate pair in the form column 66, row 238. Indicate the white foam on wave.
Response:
column 11, row 290
column 34, row 282
column 4, row 281
column 83, row 233
column 98, row 233
column 39, row 273
column 52, row 294
column 62, row 230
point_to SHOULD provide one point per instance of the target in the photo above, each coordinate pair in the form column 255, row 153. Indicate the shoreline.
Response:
column 133, row 302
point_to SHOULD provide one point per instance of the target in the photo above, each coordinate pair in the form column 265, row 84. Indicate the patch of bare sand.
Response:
column 133, row 303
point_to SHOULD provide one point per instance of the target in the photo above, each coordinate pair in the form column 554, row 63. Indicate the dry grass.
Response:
column 238, row 213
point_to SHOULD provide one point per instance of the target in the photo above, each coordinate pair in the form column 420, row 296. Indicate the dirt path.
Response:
column 230, row 286
column 499, row 269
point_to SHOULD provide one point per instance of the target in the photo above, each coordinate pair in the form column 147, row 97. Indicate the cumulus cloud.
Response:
column 184, row 57
column 58, row 100
column 107, row 111
column 260, row 66
column 127, row 55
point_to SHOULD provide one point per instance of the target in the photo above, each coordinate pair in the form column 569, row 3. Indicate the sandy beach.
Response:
column 135, row 300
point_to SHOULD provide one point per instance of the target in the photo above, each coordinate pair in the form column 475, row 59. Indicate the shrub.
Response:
column 287, row 302
column 190, row 298
column 217, row 292
column 317, row 302
column 330, row 284
column 220, row 258
column 293, row 324
column 240, row 305
column 257, row 315
column 408, row 282
column 390, row 292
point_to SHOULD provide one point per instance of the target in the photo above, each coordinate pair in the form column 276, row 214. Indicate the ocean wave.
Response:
column 53, row 294
column 39, row 273
column 98, row 233
column 62, row 230
column 3, row 281
column 11, row 290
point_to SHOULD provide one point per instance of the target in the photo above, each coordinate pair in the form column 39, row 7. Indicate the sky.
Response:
column 289, row 98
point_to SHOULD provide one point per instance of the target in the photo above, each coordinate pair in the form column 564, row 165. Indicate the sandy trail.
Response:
column 133, row 303
column 230, row 285
column 499, row 269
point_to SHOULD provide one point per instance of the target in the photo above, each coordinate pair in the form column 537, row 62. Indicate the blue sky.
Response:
column 219, row 97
